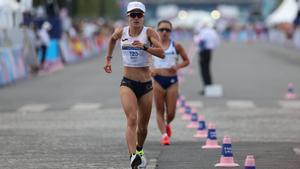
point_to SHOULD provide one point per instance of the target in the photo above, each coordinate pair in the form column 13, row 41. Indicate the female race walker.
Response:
column 138, row 43
column 165, row 80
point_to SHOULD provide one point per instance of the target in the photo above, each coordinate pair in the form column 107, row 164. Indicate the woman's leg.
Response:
column 144, row 112
column 159, row 97
column 205, row 63
column 44, row 53
column 171, row 98
column 129, row 103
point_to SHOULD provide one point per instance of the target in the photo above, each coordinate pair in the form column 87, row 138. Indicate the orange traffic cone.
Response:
column 250, row 162
column 211, row 141
column 226, row 159
column 201, row 131
column 290, row 92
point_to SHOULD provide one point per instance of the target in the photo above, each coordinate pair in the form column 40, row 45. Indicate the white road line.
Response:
column 85, row 106
column 33, row 108
column 240, row 104
column 152, row 163
column 292, row 104
column 296, row 150
column 195, row 103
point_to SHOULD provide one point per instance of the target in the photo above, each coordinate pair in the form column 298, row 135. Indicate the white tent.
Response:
column 229, row 11
column 193, row 19
column 10, row 5
column 285, row 13
column 167, row 11
column 26, row 4
column 10, row 14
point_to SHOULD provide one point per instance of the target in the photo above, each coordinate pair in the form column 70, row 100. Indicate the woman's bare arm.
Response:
column 111, row 45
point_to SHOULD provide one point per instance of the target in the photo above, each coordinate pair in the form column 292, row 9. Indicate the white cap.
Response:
column 136, row 5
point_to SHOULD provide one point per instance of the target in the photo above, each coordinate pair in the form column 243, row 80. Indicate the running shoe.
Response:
column 144, row 163
column 135, row 161
column 165, row 140
column 169, row 130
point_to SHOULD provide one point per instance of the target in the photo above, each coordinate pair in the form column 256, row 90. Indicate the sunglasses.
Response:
column 164, row 30
column 133, row 15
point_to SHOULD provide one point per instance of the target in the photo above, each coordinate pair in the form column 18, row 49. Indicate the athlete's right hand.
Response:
column 107, row 68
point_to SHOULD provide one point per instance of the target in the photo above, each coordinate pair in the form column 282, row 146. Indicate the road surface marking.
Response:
column 85, row 106
column 292, row 104
column 195, row 103
column 33, row 108
column 296, row 150
column 152, row 163
column 240, row 104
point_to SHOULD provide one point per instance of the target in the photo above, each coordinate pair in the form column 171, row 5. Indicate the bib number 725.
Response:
column 133, row 53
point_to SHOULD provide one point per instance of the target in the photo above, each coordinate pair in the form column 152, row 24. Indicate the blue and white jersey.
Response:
column 170, row 59
column 134, row 56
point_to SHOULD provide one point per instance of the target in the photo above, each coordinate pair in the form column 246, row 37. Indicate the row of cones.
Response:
column 226, row 159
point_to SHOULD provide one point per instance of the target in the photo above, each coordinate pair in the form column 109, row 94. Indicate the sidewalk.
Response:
column 189, row 155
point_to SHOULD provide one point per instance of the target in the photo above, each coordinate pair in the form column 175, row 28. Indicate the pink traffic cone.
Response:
column 194, row 121
column 211, row 141
column 180, row 101
column 181, row 110
column 290, row 92
column 226, row 159
column 250, row 162
column 201, row 131
column 187, row 113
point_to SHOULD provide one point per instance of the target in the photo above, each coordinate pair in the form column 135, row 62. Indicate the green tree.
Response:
column 87, row 8
column 96, row 8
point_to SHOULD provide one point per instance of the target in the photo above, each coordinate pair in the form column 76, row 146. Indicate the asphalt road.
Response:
column 73, row 119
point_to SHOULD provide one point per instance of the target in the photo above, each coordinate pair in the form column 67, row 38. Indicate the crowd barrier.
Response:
column 12, row 65
column 273, row 36
column 74, row 50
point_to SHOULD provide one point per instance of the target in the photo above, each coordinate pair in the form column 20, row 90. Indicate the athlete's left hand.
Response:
column 138, row 44
column 174, row 68
column 153, row 73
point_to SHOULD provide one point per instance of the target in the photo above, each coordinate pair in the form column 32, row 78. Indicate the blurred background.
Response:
column 59, row 109
column 79, row 28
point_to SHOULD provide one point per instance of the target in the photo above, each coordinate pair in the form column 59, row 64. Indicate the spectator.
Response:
column 44, row 40
column 207, row 41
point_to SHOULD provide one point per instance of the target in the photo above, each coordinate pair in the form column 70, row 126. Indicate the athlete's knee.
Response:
column 159, row 112
column 143, row 129
column 132, row 121
column 171, row 116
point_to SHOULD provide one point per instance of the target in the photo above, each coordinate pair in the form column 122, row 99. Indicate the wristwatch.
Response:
column 146, row 47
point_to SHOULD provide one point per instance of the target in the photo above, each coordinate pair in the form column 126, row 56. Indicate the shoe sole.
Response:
column 142, row 167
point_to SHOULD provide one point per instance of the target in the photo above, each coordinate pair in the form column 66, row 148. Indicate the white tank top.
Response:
column 134, row 56
column 170, row 59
